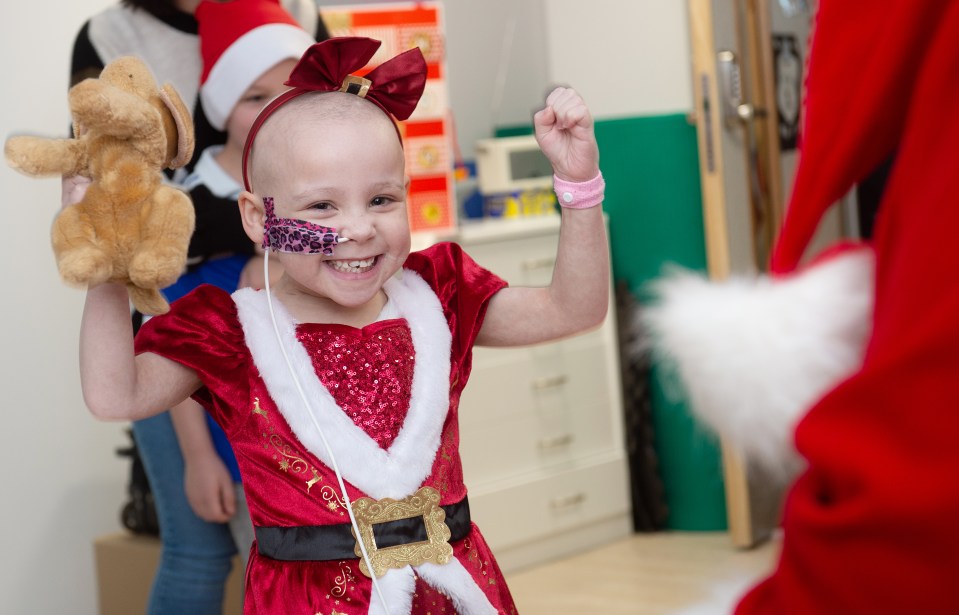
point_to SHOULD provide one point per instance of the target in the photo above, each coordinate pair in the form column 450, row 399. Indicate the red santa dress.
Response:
column 386, row 397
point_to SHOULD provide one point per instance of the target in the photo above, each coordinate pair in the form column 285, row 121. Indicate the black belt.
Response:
column 336, row 542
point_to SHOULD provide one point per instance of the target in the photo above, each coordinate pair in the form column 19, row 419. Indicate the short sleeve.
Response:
column 463, row 287
column 201, row 331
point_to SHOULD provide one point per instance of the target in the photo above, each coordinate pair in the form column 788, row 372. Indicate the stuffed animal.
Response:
column 129, row 227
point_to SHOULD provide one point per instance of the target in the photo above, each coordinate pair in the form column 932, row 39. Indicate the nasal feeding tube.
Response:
column 296, row 236
column 302, row 237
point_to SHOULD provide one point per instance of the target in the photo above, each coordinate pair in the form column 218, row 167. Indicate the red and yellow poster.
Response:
column 427, row 134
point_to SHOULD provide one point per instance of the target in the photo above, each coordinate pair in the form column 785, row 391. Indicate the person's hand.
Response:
column 72, row 190
column 209, row 489
column 564, row 131
column 252, row 274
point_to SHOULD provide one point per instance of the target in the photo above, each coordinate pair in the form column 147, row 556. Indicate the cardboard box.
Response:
column 126, row 564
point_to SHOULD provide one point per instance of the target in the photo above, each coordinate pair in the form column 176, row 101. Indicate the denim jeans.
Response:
column 196, row 555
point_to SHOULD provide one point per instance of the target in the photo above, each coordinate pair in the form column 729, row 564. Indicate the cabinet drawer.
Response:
column 513, row 385
column 487, row 357
column 537, row 442
column 521, row 262
column 552, row 505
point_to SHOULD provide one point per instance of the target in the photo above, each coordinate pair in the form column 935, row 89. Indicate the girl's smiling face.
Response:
column 346, row 171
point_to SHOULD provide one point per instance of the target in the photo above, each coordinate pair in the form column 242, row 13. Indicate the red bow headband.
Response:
column 395, row 86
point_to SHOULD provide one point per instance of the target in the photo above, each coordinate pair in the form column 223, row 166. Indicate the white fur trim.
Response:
column 244, row 62
column 455, row 581
column 397, row 586
column 755, row 354
column 378, row 473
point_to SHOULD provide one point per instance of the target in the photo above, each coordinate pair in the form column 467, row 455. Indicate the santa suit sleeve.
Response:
column 871, row 526
column 201, row 332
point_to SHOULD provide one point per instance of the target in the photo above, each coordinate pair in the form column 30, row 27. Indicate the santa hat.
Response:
column 239, row 41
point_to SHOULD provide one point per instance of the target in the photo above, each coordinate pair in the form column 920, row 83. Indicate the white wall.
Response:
column 626, row 57
column 497, row 61
column 63, row 484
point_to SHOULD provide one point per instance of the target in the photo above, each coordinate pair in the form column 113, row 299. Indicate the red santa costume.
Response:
column 870, row 522
column 343, row 433
column 387, row 396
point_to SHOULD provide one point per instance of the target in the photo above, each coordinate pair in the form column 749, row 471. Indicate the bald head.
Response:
column 309, row 114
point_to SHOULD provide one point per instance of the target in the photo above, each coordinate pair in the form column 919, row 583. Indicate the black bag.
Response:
column 139, row 514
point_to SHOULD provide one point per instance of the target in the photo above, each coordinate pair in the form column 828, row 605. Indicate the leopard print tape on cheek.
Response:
column 296, row 236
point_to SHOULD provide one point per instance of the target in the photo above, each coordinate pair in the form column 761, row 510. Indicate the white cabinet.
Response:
column 542, row 426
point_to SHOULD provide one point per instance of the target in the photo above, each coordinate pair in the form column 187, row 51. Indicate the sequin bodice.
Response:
column 368, row 372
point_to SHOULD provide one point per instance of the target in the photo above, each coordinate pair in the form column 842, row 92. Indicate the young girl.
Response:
column 248, row 49
column 189, row 464
column 339, row 386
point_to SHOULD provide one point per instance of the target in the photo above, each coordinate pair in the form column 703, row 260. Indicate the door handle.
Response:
column 546, row 444
column 533, row 264
column 567, row 501
column 549, row 382
column 734, row 109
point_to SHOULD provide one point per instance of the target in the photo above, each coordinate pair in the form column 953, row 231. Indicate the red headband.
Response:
column 395, row 86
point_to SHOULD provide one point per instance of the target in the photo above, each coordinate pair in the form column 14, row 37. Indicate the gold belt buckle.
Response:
column 423, row 503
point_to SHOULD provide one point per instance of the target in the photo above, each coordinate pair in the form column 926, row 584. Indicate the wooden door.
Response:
column 748, row 58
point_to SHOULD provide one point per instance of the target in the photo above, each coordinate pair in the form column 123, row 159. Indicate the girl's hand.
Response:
column 564, row 131
column 72, row 190
column 209, row 489
column 252, row 274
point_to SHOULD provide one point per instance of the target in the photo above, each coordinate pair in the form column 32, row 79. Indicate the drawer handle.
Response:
column 533, row 264
column 567, row 501
column 549, row 382
column 556, row 442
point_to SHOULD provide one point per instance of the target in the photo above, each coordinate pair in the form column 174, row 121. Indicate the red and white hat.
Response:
column 239, row 41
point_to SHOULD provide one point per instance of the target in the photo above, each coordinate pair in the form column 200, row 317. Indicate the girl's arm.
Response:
column 116, row 384
column 206, row 480
column 578, row 295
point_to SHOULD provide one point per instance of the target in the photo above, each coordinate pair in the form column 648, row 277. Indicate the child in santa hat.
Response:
column 193, row 480
column 248, row 49
column 870, row 330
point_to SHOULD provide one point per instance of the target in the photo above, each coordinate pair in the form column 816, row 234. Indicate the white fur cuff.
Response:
column 755, row 354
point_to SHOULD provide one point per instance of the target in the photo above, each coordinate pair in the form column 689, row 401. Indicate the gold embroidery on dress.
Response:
column 333, row 500
column 257, row 409
column 446, row 446
column 341, row 581
column 288, row 460
column 316, row 478
column 472, row 557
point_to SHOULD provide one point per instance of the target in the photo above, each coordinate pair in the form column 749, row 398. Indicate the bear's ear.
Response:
column 185, row 139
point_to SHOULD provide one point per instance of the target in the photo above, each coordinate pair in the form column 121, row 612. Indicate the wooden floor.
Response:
column 647, row 574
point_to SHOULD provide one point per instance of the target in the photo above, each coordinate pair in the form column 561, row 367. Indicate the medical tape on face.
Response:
column 296, row 236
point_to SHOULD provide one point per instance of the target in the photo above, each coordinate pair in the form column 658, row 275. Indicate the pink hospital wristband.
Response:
column 580, row 195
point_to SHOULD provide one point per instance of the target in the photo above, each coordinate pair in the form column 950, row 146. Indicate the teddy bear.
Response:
column 130, row 227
